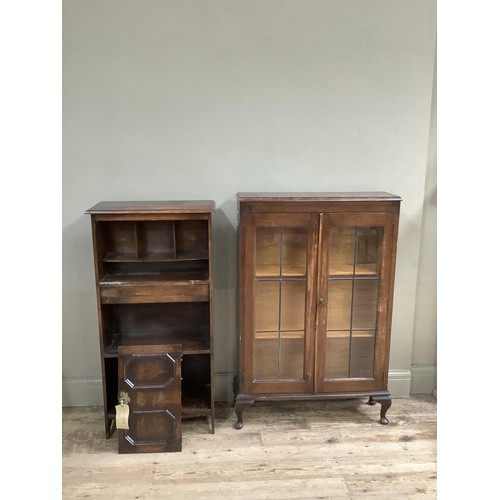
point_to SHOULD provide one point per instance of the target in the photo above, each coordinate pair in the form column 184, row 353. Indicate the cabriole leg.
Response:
column 242, row 402
column 385, row 404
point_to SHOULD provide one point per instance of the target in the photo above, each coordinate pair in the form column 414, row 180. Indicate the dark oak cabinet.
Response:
column 153, row 272
column 316, row 275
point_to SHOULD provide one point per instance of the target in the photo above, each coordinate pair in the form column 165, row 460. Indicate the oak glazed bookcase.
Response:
column 316, row 280
column 153, row 272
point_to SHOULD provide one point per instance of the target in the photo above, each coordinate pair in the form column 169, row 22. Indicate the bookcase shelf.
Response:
column 154, row 287
column 190, row 345
column 316, row 281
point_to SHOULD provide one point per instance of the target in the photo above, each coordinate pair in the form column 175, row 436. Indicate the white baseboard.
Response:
column 88, row 392
column 81, row 392
column 399, row 383
column 423, row 379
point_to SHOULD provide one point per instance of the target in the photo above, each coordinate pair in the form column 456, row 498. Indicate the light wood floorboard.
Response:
column 313, row 449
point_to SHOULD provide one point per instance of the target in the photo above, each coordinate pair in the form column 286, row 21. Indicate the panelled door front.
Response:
column 351, row 352
column 151, row 377
column 278, row 312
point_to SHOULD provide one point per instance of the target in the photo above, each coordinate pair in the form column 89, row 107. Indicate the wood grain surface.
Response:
column 311, row 449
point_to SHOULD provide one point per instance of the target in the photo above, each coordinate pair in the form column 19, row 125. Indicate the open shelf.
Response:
column 185, row 323
column 196, row 400
column 156, row 267
column 150, row 257
column 198, row 277
column 154, row 288
column 190, row 345
column 125, row 240
column 196, row 385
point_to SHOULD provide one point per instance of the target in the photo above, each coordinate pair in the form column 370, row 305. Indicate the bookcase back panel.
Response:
column 191, row 239
column 118, row 237
column 151, row 240
column 164, row 318
column 155, row 238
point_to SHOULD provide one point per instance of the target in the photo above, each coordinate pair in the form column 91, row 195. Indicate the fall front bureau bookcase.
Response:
column 316, row 278
column 154, row 290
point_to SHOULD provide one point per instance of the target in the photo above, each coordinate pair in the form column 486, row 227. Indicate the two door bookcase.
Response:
column 316, row 280
column 153, row 271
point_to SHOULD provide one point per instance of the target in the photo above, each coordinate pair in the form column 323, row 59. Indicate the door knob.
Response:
column 321, row 301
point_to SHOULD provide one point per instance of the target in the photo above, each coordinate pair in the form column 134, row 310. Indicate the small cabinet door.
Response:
column 277, row 280
column 352, row 308
column 151, row 377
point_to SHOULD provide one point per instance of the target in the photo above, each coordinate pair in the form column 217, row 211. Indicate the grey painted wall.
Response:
column 166, row 99
column 424, row 372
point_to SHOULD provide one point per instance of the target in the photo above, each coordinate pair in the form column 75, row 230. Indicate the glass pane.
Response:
column 342, row 250
column 364, row 314
column 267, row 305
column 367, row 250
column 337, row 355
column 293, row 297
column 265, row 356
column 294, row 251
column 267, row 251
column 362, row 354
column 292, row 355
column 339, row 304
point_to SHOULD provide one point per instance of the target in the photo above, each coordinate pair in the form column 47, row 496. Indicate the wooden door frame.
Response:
column 248, row 224
column 382, row 329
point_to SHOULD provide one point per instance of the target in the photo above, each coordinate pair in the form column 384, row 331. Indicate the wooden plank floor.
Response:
column 314, row 449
